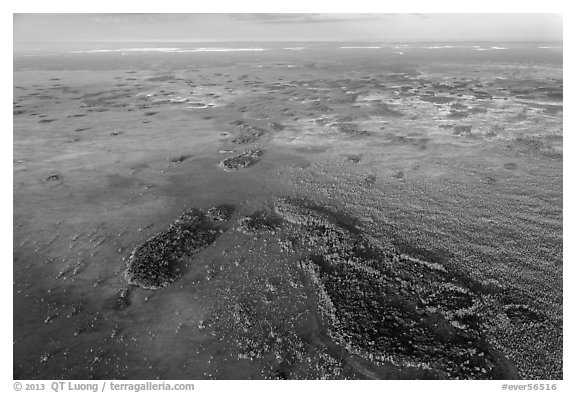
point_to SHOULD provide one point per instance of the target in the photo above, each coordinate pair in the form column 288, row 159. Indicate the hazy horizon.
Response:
column 37, row 31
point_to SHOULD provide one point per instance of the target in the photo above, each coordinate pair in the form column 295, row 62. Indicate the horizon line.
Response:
column 279, row 41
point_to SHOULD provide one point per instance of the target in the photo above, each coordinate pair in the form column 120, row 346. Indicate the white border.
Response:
column 356, row 6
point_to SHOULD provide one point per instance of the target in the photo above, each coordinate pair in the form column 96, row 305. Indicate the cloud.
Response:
column 307, row 18
column 128, row 19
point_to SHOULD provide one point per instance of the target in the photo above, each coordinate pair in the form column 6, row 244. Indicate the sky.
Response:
column 59, row 28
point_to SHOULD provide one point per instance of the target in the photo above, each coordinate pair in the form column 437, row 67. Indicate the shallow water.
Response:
column 103, row 160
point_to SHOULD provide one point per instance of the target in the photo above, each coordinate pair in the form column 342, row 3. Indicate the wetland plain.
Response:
column 288, row 211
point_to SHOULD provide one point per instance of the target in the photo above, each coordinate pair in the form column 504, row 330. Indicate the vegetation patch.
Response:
column 244, row 160
column 156, row 262
column 387, row 307
column 259, row 222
